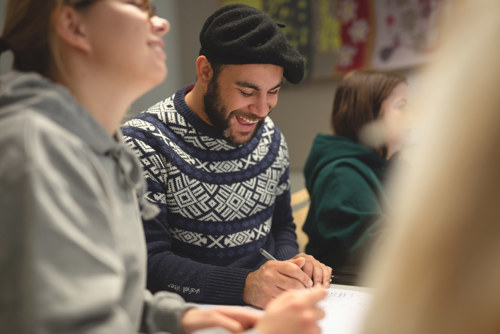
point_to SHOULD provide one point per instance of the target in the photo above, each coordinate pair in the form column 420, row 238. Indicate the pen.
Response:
column 267, row 255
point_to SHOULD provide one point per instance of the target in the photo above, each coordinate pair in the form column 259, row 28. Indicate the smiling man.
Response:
column 218, row 169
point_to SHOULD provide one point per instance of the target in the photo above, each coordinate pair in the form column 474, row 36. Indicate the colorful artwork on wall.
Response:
column 336, row 36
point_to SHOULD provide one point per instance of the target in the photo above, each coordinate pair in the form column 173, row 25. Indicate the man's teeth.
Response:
column 248, row 121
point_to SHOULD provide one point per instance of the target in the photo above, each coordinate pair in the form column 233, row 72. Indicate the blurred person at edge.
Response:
column 72, row 249
column 437, row 270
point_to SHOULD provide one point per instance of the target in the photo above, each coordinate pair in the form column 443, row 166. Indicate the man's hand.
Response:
column 273, row 278
column 293, row 312
column 317, row 271
column 235, row 320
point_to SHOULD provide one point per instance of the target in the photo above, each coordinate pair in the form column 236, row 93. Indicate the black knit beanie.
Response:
column 240, row 34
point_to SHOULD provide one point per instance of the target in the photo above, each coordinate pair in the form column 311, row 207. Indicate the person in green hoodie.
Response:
column 344, row 175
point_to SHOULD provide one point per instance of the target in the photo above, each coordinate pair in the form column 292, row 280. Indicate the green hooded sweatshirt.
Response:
column 344, row 180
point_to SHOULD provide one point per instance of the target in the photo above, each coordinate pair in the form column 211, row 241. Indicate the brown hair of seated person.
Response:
column 358, row 101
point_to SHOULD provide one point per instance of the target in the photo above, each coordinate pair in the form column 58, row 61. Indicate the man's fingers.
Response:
column 318, row 277
column 310, row 268
column 292, row 270
column 327, row 276
column 322, row 275
column 299, row 261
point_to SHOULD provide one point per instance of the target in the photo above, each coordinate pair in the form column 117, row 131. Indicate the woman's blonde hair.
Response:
column 28, row 33
column 437, row 271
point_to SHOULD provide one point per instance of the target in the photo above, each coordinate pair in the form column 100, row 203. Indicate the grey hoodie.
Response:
column 72, row 249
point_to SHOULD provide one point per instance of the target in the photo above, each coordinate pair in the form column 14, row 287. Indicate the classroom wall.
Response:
column 303, row 110
column 167, row 9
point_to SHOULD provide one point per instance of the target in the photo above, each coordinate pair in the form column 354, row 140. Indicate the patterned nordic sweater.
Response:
column 219, row 203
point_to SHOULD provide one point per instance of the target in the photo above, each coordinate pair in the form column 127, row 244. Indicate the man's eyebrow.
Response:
column 250, row 85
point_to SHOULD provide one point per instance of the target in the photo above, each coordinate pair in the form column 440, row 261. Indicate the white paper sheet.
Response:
column 345, row 310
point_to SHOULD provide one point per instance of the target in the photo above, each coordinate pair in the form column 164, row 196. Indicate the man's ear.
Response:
column 204, row 70
column 70, row 28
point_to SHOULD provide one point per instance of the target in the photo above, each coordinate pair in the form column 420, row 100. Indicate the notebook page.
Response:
column 345, row 310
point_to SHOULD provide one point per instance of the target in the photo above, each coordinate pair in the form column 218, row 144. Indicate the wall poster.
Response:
column 336, row 36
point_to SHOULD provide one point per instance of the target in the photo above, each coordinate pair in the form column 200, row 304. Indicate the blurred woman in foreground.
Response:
column 438, row 271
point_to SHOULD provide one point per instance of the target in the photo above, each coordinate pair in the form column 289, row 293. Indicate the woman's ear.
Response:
column 70, row 28
column 204, row 70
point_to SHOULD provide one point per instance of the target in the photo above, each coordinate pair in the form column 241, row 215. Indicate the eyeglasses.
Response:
column 144, row 5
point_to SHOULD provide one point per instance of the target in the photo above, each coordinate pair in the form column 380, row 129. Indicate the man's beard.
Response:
column 216, row 113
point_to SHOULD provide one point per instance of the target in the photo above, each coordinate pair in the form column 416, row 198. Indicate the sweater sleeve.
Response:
column 195, row 281
column 283, row 228
column 344, row 215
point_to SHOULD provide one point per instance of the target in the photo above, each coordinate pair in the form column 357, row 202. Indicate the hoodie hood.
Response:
column 30, row 91
column 21, row 92
column 329, row 148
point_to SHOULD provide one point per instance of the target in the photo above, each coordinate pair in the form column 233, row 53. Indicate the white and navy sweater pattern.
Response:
column 219, row 203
